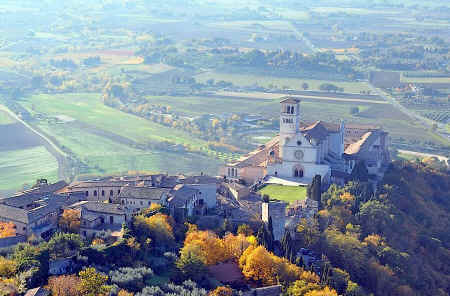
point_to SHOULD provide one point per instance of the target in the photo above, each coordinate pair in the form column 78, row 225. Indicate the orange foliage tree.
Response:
column 221, row 291
column 264, row 267
column 213, row 249
column 65, row 285
column 70, row 221
column 7, row 229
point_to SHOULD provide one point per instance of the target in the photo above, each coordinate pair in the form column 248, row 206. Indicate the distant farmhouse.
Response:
column 301, row 151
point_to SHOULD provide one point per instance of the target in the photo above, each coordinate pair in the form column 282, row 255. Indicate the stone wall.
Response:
column 276, row 210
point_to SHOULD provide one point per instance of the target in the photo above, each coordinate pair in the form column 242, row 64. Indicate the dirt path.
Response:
column 48, row 144
column 263, row 95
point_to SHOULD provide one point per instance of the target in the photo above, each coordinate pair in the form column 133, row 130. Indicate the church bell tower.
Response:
column 289, row 117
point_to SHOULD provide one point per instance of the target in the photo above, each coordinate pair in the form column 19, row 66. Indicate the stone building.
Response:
column 302, row 150
column 276, row 210
column 97, row 190
column 34, row 212
column 134, row 199
column 100, row 218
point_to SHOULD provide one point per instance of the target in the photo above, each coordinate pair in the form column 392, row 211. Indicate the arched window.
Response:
column 103, row 192
column 87, row 193
column 111, row 193
column 298, row 172
column 95, row 192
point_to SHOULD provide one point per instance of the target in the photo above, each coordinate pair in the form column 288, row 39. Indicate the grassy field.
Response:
column 110, row 157
column 395, row 122
column 292, row 83
column 194, row 106
column 26, row 166
column 284, row 193
column 5, row 118
column 89, row 109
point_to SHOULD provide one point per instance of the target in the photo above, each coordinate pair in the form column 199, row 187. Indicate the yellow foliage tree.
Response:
column 92, row 283
column 124, row 293
column 261, row 266
column 7, row 267
column 212, row 248
column 221, row 291
column 70, row 221
column 157, row 228
column 7, row 229
column 235, row 245
column 324, row 292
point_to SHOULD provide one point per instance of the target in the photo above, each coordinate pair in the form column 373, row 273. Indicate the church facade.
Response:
column 301, row 150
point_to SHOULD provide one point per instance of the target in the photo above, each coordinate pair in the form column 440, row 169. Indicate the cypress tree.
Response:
column 360, row 172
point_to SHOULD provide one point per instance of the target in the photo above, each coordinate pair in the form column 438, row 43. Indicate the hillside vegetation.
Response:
column 393, row 242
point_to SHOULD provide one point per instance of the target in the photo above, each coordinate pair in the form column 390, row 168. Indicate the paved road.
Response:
column 273, row 95
column 426, row 121
column 301, row 36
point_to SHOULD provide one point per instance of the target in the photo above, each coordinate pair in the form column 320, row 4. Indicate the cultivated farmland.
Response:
column 26, row 166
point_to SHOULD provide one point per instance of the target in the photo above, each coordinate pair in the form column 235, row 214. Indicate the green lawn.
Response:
column 88, row 108
column 284, row 193
column 265, row 81
column 5, row 118
column 26, row 166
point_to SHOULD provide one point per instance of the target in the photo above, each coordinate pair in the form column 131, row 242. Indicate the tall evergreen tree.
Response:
column 315, row 189
column 271, row 237
column 360, row 172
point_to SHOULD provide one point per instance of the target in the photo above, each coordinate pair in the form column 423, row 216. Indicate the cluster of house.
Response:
column 105, row 204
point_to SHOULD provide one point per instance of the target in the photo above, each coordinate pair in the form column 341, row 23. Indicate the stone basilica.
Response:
column 301, row 151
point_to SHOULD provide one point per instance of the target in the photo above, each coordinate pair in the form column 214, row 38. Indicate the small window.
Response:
column 103, row 192
column 123, row 202
column 142, row 203
column 87, row 193
column 111, row 193
column 95, row 192
column 118, row 192
column 299, row 143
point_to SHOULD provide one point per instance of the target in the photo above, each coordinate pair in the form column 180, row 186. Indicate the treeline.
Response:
column 280, row 61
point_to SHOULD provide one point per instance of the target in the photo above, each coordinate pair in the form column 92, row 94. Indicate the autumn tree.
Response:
column 157, row 228
column 92, row 283
column 245, row 229
column 308, row 232
column 324, row 292
column 70, row 221
column 7, row 267
column 212, row 248
column 221, row 291
column 263, row 267
column 65, row 285
column 191, row 263
column 7, row 229
column 124, row 293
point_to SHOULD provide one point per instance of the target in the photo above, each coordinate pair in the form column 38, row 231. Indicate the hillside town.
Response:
column 313, row 156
